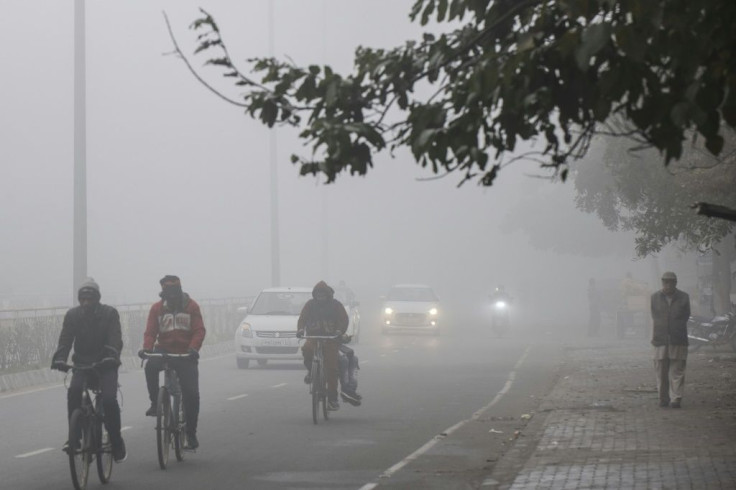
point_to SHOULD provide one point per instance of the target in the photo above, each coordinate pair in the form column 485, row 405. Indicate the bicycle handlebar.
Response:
column 326, row 337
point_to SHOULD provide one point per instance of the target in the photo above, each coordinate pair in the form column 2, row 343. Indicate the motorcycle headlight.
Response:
column 388, row 311
column 501, row 305
column 245, row 330
column 433, row 311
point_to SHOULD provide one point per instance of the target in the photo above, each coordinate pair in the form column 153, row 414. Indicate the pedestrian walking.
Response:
column 670, row 312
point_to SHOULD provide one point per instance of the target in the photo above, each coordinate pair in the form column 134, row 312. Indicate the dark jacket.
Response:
column 94, row 336
column 669, row 321
column 176, row 332
column 323, row 314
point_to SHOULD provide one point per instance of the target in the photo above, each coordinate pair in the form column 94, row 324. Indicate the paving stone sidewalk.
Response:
column 603, row 429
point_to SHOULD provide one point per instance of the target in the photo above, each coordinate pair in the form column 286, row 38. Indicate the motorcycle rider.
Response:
column 93, row 329
column 500, row 300
column 323, row 315
column 175, row 326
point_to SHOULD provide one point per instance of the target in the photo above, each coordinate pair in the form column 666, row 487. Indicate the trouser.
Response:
column 330, row 353
column 348, row 368
column 108, row 384
column 594, row 322
column 188, row 372
column 670, row 378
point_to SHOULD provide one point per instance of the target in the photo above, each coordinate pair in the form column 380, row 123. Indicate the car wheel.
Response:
column 262, row 362
column 242, row 363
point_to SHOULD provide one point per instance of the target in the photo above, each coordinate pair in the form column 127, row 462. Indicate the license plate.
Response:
column 280, row 342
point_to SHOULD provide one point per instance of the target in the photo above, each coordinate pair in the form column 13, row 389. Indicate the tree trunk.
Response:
column 723, row 254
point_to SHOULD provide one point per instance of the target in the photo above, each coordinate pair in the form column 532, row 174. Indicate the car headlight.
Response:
column 501, row 305
column 388, row 311
column 245, row 330
column 433, row 311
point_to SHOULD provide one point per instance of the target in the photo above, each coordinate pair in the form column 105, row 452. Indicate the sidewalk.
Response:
column 601, row 427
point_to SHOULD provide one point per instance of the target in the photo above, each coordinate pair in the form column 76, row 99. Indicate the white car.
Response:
column 268, row 330
column 411, row 307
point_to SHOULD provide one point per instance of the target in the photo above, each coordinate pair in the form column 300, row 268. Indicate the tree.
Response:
column 627, row 192
column 550, row 73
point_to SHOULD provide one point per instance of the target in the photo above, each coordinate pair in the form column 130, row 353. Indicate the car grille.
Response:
column 410, row 319
column 276, row 350
column 276, row 335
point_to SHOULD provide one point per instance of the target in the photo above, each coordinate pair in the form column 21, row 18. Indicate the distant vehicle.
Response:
column 411, row 307
column 351, row 307
column 268, row 330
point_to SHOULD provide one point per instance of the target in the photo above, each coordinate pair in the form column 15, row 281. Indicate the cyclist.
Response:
column 323, row 315
column 93, row 329
column 175, row 326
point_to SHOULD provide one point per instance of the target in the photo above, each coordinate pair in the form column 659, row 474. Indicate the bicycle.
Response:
column 88, row 437
column 318, row 386
column 171, row 421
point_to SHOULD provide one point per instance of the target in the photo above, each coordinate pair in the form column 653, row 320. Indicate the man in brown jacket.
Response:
column 670, row 312
column 323, row 315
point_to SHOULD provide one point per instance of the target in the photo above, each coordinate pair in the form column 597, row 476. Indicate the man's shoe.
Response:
column 151, row 412
column 676, row 404
column 119, row 454
column 65, row 447
column 192, row 442
column 351, row 398
column 308, row 379
column 333, row 405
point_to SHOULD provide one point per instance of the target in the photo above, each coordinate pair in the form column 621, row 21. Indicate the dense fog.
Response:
column 178, row 180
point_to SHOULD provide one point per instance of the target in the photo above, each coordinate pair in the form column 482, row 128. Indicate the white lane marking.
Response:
column 28, row 392
column 279, row 385
column 237, row 397
column 127, row 427
column 382, row 355
column 395, row 350
column 489, row 482
column 33, row 453
column 364, row 362
column 432, row 442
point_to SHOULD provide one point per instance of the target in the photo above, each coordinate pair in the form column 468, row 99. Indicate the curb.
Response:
column 47, row 376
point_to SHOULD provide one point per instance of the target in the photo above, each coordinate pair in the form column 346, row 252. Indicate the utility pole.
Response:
column 275, row 245
column 80, row 150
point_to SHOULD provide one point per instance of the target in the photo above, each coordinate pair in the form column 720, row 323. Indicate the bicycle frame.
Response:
column 318, row 387
column 87, row 434
column 170, row 418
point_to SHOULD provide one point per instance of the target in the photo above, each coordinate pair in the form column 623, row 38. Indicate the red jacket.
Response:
column 174, row 331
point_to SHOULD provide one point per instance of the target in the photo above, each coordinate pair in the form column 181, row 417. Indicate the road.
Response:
column 256, row 429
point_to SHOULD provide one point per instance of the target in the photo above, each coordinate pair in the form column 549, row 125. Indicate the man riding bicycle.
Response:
column 175, row 326
column 93, row 329
column 323, row 315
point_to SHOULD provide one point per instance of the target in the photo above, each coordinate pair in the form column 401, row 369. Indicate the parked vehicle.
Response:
column 718, row 331
column 411, row 307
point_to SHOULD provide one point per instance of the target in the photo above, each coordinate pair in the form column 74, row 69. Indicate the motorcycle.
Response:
column 718, row 331
column 500, row 317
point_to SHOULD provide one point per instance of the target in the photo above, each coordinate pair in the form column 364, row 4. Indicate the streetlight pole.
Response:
column 80, row 150
column 275, row 245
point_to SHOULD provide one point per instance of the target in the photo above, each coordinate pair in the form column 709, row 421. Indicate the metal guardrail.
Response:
column 29, row 336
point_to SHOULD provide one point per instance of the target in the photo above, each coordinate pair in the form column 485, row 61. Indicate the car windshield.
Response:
column 411, row 294
column 274, row 303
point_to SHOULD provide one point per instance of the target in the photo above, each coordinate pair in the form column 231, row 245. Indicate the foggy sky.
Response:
column 178, row 181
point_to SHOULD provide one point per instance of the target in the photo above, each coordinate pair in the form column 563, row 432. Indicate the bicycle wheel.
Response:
column 104, row 449
column 163, row 427
column 179, row 425
column 316, row 390
column 80, row 454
